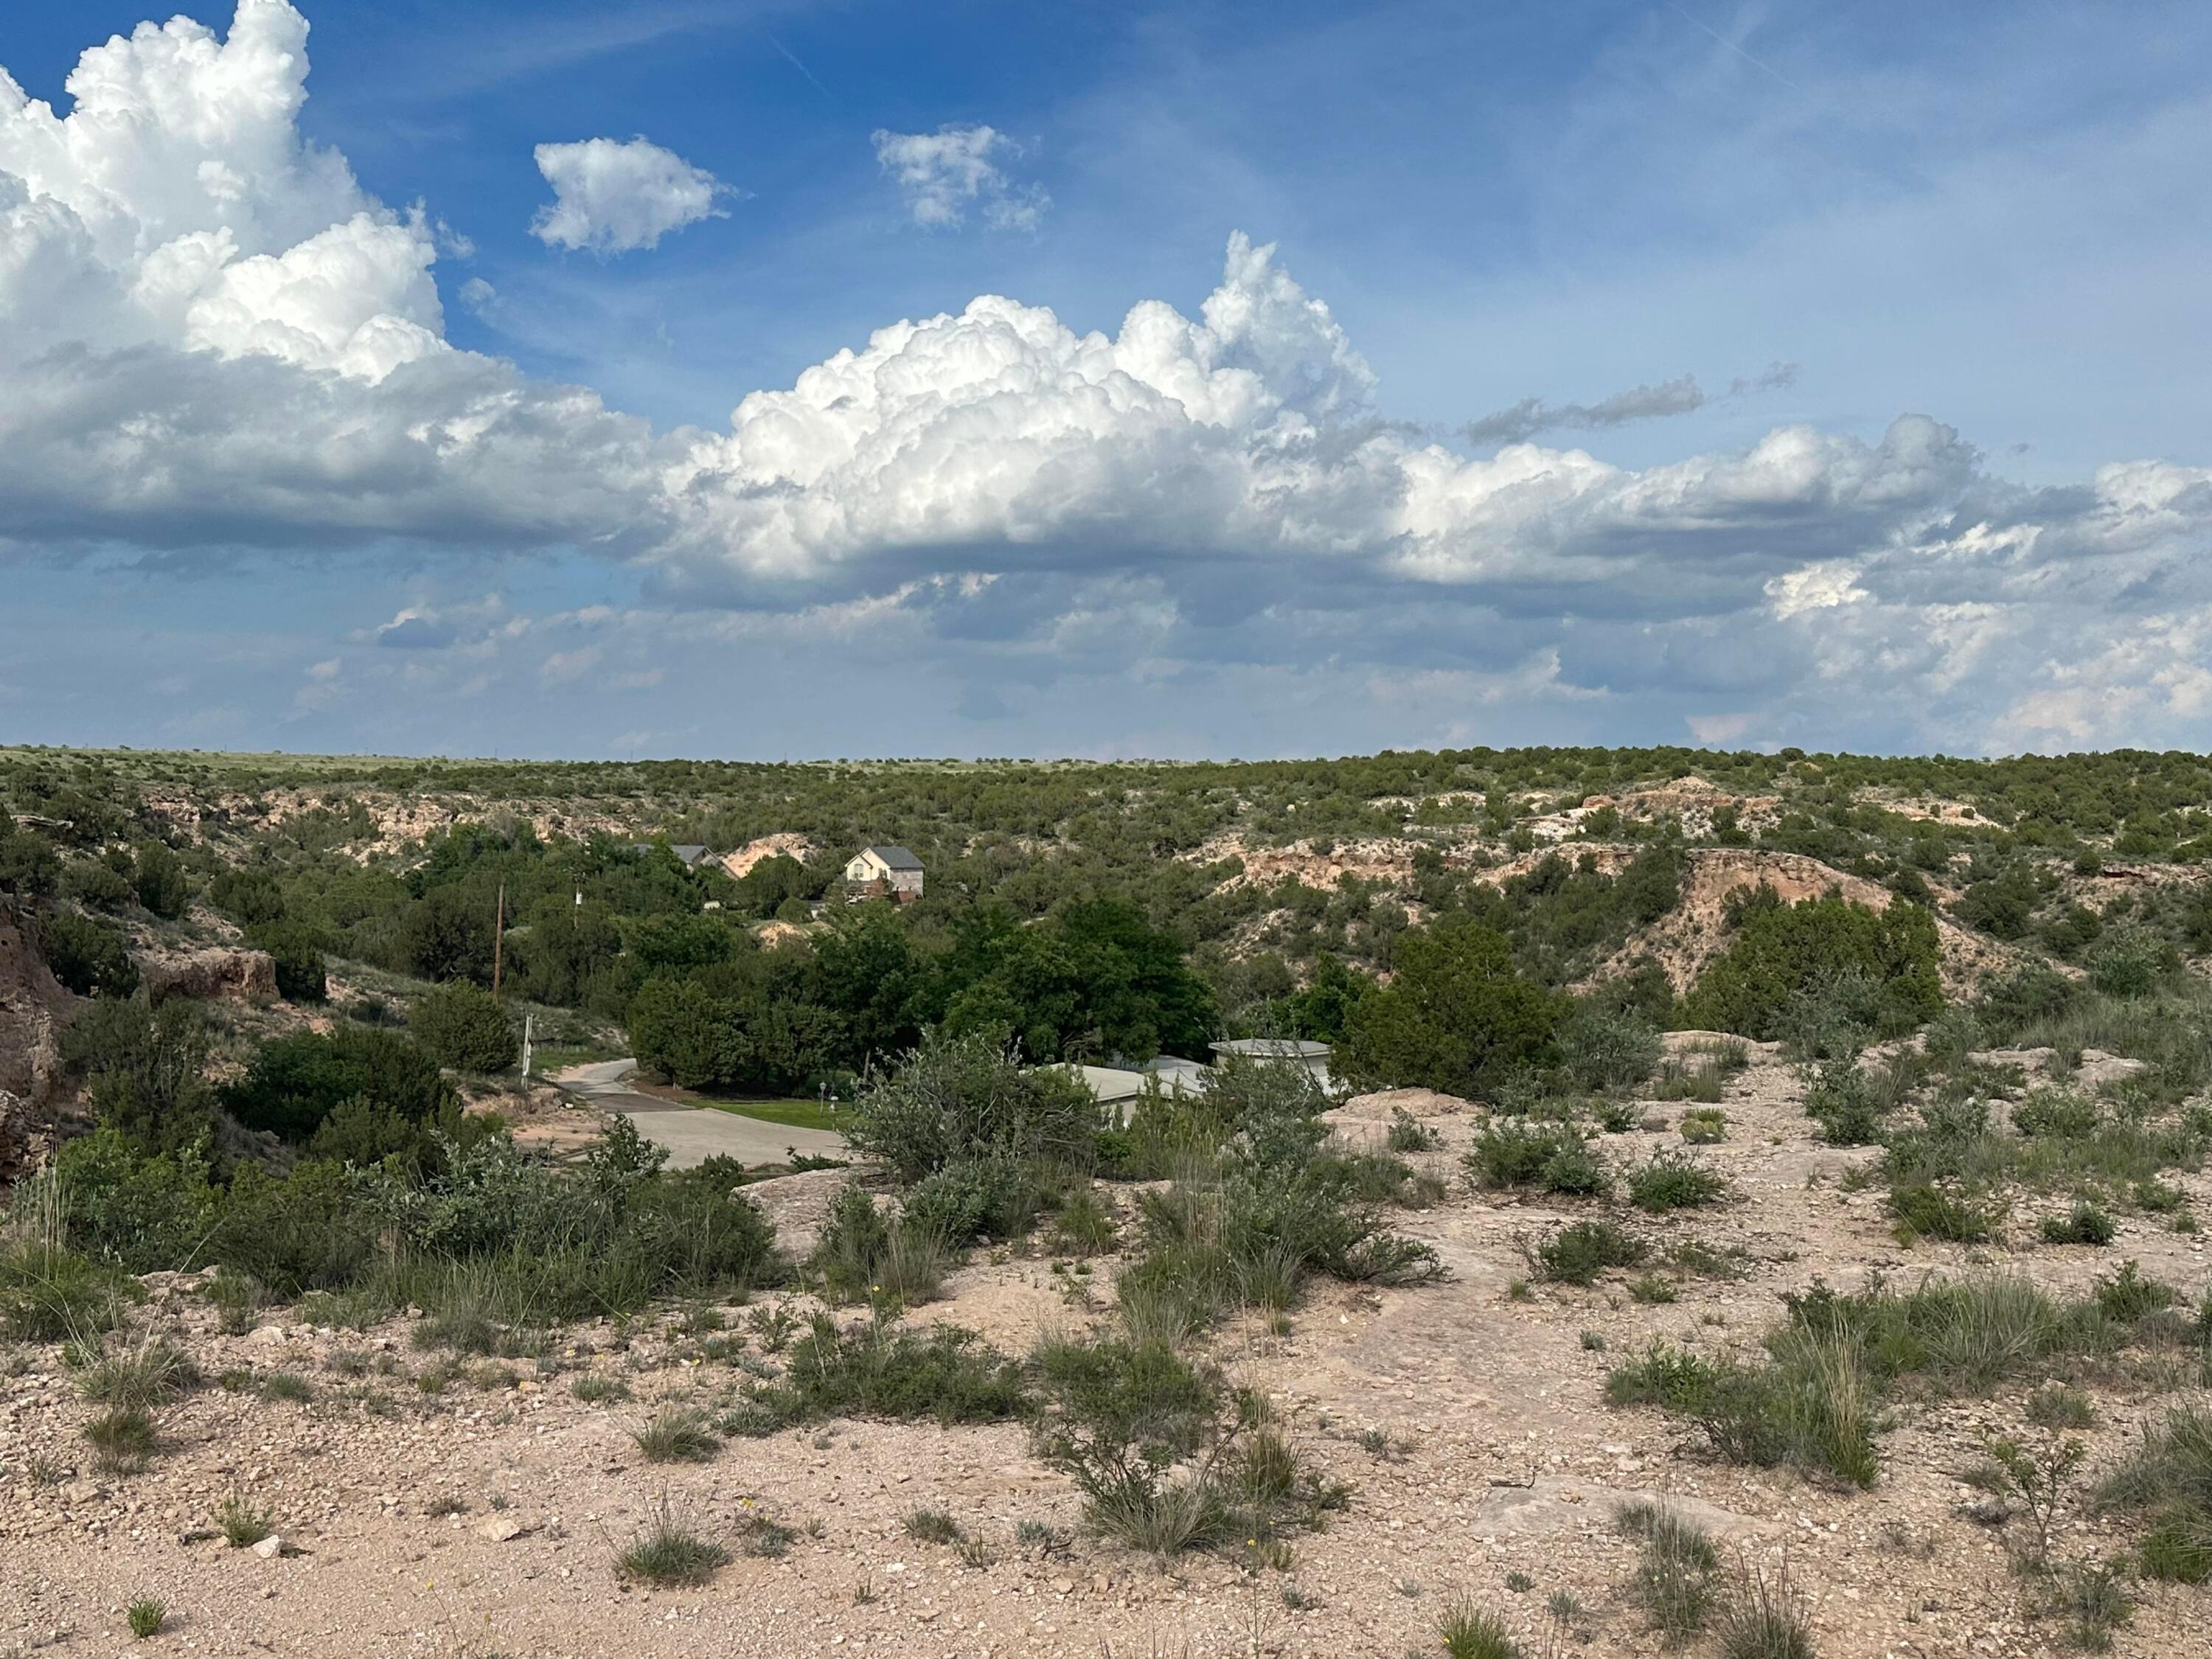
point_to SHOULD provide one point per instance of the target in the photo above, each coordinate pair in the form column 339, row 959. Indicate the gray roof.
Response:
column 690, row 854
column 1272, row 1047
column 897, row 857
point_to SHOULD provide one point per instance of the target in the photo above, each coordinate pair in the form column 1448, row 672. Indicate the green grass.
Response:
column 123, row 1438
column 243, row 1524
column 1675, row 1576
column 676, row 1435
column 791, row 1114
column 1763, row 1618
column 146, row 1617
column 668, row 1553
column 1471, row 1632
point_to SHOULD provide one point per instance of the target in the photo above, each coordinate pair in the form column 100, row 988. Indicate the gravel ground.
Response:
column 1496, row 1454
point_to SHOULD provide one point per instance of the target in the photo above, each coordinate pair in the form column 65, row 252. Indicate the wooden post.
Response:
column 498, row 937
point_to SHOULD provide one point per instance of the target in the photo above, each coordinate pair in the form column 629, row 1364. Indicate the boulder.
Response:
column 205, row 976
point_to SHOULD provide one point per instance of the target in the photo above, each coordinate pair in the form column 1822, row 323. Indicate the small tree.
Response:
column 1455, row 1017
column 88, row 955
column 158, row 878
column 463, row 1026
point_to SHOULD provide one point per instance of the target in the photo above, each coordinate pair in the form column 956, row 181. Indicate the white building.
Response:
column 1295, row 1051
column 891, row 872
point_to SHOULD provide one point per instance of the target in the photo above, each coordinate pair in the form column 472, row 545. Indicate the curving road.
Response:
column 692, row 1133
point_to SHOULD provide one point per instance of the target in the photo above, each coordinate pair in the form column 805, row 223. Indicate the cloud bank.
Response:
column 211, row 338
column 612, row 196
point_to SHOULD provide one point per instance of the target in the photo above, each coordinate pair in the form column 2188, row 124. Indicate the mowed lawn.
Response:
column 791, row 1114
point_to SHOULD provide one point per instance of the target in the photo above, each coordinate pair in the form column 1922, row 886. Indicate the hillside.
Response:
column 1812, row 1148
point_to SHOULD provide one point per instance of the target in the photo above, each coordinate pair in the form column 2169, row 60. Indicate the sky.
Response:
column 789, row 380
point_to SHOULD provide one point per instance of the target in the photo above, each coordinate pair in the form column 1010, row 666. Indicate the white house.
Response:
column 1294, row 1051
column 891, row 872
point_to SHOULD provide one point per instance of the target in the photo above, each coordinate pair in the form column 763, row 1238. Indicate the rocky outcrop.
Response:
column 203, row 975
column 33, row 1009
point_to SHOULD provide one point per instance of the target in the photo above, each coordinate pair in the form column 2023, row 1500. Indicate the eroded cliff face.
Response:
column 34, row 1010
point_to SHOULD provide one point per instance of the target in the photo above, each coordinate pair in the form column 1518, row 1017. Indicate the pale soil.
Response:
column 1502, row 1457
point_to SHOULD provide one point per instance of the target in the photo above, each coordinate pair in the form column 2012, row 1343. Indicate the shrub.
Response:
column 676, row 1435
column 1675, row 1573
column 2057, row 1114
column 144, row 1214
column 1409, row 1133
column 463, row 1026
column 1924, row 1210
column 975, row 1198
column 946, row 1375
column 1551, row 1158
column 1783, row 952
column 1840, row 1099
column 87, row 955
column 1578, row 1254
column 123, row 1438
column 1120, row 1415
column 2031, row 995
column 668, row 1552
column 1468, row 1631
column 294, row 1083
column 862, row 1257
column 956, row 1100
column 96, row 884
column 244, row 1524
column 145, row 1067
column 2130, row 962
column 1706, row 1127
column 1670, row 1182
column 158, row 880
column 2085, row 1224
column 296, row 952
column 1670, row 1377
column 1763, row 1618
column 1604, row 1049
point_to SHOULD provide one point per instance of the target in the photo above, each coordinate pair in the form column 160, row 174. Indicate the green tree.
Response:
column 1092, row 980
column 463, row 1025
column 447, row 935
column 88, row 955
column 1783, row 952
column 1454, row 1018
column 158, row 878
column 144, row 1069
column 294, row 1083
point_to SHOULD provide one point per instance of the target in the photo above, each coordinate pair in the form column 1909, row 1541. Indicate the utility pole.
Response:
column 498, row 937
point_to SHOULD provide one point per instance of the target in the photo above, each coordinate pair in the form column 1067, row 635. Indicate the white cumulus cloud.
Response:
column 211, row 338
column 612, row 196
column 943, row 174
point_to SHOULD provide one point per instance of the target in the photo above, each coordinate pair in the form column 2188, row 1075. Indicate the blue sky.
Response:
column 1837, row 376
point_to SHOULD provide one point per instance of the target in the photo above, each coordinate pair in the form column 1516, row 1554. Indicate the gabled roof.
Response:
column 895, row 858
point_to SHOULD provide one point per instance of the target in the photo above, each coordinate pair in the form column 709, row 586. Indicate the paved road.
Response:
column 693, row 1133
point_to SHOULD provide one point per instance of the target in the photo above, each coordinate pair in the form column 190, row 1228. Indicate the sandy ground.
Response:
column 1498, row 1455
